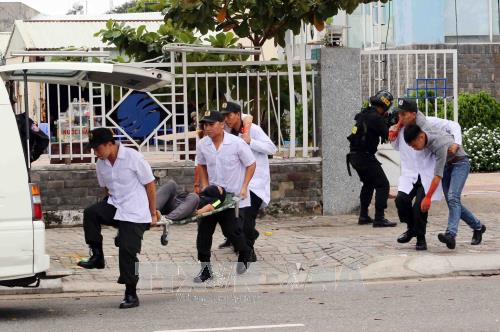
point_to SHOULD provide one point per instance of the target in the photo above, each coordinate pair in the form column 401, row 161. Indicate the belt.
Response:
column 456, row 159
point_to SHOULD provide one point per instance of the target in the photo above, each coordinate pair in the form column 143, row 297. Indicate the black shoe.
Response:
column 96, row 260
column 243, row 262
column 448, row 239
column 225, row 244
column 421, row 244
column 204, row 275
column 130, row 301
column 477, row 236
column 365, row 220
column 406, row 237
column 383, row 223
column 253, row 256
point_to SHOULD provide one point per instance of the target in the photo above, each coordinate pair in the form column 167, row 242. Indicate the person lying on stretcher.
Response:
column 178, row 205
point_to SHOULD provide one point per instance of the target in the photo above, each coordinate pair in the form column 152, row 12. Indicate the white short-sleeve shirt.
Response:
column 227, row 166
column 125, row 181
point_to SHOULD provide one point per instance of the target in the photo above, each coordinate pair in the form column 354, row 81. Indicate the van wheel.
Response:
column 164, row 240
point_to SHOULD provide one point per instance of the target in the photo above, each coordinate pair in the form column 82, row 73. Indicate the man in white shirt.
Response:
column 417, row 170
column 260, row 185
column 130, row 206
column 226, row 161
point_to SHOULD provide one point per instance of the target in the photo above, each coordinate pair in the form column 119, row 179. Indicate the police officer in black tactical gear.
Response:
column 371, row 129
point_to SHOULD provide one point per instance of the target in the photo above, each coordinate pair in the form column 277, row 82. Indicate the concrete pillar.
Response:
column 340, row 101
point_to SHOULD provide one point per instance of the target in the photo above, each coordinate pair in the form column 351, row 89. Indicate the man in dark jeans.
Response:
column 369, row 131
column 130, row 206
column 417, row 169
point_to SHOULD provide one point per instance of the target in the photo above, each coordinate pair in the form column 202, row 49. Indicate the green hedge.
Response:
column 473, row 108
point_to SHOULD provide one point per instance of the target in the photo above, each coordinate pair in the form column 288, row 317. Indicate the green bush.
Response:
column 473, row 108
column 483, row 147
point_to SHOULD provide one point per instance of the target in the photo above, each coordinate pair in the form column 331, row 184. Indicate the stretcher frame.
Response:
column 231, row 202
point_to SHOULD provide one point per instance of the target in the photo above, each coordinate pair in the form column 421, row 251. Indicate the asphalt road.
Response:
column 459, row 304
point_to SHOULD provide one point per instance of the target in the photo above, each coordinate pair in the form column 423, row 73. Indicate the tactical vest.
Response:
column 357, row 138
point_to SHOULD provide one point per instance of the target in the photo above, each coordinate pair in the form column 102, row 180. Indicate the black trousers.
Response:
column 230, row 227
column 409, row 212
column 372, row 176
column 130, row 237
column 249, row 215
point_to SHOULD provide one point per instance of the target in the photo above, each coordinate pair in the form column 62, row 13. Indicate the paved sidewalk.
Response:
column 329, row 240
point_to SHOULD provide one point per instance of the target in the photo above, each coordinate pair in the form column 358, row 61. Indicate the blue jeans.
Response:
column 454, row 178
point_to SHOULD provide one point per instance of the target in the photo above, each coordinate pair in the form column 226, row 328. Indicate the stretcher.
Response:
column 231, row 202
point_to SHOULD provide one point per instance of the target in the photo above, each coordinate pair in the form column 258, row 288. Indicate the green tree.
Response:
column 124, row 8
column 257, row 20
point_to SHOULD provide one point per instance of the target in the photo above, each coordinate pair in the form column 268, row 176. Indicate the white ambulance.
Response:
column 23, row 259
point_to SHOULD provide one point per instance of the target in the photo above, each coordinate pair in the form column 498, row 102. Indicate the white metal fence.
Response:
column 261, row 87
column 430, row 76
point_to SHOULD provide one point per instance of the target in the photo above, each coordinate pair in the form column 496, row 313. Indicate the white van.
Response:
column 23, row 260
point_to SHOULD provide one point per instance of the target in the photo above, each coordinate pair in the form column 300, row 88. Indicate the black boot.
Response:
column 225, row 244
column 382, row 222
column 448, row 239
column 253, row 256
column 131, row 299
column 406, row 237
column 365, row 220
column 243, row 262
column 477, row 236
column 205, row 273
column 96, row 260
column 421, row 243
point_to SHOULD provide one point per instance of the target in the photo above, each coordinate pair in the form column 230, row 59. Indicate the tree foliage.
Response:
column 257, row 20
column 139, row 44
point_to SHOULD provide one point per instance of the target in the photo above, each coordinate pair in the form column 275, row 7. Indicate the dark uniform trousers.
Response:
column 408, row 206
column 230, row 227
column 249, row 215
column 130, row 236
column 372, row 176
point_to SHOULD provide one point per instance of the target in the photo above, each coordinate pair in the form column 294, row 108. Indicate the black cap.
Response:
column 100, row 136
column 230, row 107
column 212, row 116
column 407, row 105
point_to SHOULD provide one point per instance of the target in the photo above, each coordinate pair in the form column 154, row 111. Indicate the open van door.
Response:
column 80, row 73
column 23, row 259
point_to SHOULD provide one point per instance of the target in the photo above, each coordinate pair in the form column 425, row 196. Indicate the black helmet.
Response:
column 383, row 98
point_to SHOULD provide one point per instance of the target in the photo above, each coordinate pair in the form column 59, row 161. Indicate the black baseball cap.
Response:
column 100, row 136
column 407, row 105
column 230, row 107
column 212, row 116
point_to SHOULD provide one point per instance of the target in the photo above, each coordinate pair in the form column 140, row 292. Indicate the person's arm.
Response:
column 249, row 171
column 201, row 165
column 248, row 160
column 441, row 155
column 394, row 130
column 203, row 176
column 426, row 202
column 204, row 209
column 450, row 127
column 247, row 122
column 146, row 178
column 380, row 128
column 260, row 142
column 151, row 192
column 196, row 185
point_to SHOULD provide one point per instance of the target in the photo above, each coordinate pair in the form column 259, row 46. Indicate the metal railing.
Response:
column 429, row 76
column 260, row 86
